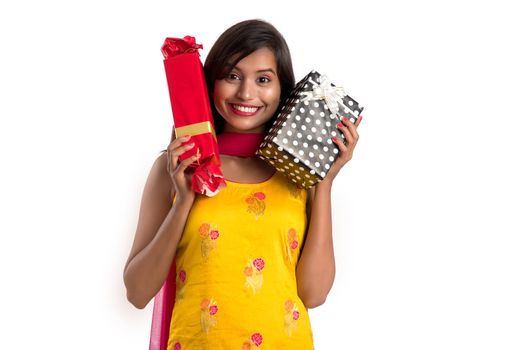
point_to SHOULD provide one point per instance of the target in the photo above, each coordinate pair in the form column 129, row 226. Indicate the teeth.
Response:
column 245, row 109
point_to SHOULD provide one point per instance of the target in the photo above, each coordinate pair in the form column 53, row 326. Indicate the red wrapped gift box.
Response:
column 192, row 111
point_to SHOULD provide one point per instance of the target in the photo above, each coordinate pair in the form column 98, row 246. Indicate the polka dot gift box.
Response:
column 299, row 142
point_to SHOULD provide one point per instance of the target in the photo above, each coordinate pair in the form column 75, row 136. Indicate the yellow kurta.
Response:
column 236, row 284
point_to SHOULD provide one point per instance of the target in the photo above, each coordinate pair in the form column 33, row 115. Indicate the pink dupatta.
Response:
column 162, row 310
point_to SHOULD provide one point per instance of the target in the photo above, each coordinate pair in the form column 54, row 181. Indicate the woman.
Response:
column 252, row 259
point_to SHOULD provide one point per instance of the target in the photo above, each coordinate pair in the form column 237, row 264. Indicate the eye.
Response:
column 232, row 76
column 264, row 79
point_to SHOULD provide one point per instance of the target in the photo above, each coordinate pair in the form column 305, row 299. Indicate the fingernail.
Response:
column 334, row 139
column 340, row 125
column 360, row 118
column 345, row 119
column 187, row 137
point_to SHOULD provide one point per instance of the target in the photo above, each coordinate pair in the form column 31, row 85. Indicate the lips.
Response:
column 243, row 109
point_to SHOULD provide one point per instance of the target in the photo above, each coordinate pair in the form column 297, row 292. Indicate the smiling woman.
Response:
column 251, row 260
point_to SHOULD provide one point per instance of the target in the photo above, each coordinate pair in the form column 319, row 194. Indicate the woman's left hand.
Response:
column 345, row 148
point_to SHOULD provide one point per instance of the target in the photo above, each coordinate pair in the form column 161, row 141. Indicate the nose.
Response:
column 246, row 90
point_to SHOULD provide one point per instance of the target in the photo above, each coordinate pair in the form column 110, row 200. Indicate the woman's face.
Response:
column 249, row 95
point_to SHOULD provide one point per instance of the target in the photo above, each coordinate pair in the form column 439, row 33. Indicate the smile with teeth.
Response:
column 245, row 109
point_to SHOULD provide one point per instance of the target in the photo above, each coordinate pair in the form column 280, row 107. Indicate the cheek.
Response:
column 220, row 91
column 216, row 91
column 218, row 101
column 272, row 96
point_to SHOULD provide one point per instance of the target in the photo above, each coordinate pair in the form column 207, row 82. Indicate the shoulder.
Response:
column 160, row 164
column 161, row 160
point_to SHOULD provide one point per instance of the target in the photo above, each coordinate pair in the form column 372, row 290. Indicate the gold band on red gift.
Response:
column 196, row 129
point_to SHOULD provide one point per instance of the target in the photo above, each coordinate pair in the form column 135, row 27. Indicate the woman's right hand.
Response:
column 180, row 178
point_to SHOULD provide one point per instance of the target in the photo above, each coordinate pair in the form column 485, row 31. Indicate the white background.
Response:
column 428, row 215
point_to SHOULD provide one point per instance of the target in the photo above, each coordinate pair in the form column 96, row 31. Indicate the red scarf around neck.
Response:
column 239, row 144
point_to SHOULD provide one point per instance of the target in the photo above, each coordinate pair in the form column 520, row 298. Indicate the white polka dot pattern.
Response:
column 303, row 149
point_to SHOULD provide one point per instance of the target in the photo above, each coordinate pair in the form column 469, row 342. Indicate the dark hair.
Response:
column 237, row 42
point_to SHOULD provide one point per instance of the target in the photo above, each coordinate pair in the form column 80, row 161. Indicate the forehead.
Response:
column 262, row 58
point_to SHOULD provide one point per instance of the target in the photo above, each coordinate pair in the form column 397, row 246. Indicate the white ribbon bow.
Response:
column 325, row 91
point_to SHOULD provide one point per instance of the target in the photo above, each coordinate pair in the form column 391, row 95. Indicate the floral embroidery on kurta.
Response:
column 291, row 317
column 256, row 204
column 253, row 273
column 237, row 296
column 177, row 346
column 292, row 243
column 209, row 235
column 253, row 343
column 180, row 285
column 208, row 310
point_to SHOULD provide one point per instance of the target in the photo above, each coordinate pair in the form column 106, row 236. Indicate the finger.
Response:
column 343, row 148
column 175, row 154
column 355, row 121
column 186, row 162
column 345, row 131
column 171, row 163
column 351, row 119
column 359, row 120
column 178, row 141
column 352, row 128
column 182, row 149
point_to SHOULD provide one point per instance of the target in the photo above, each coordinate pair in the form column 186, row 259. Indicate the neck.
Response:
column 257, row 130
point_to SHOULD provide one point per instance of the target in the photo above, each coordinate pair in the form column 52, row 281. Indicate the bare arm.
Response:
column 160, row 226
column 316, row 266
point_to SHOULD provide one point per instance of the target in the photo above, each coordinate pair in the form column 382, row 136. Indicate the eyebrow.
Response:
column 258, row 71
